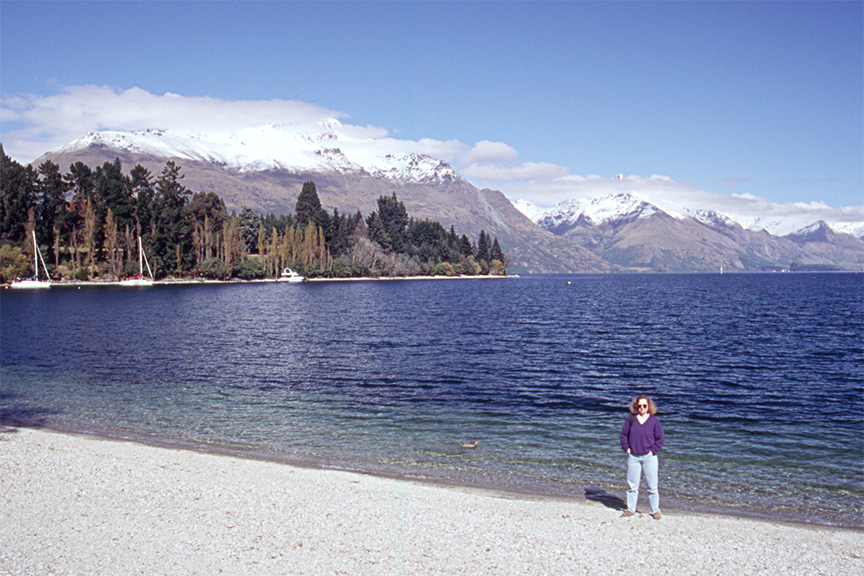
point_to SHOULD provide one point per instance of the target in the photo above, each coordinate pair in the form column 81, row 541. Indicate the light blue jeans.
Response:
column 636, row 466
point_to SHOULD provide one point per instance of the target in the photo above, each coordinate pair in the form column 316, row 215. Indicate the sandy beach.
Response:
column 81, row 505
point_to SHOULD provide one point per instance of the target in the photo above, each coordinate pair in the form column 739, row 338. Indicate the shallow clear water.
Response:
column 759, row 379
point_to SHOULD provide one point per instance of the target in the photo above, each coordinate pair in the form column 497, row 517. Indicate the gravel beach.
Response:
column 82, row 505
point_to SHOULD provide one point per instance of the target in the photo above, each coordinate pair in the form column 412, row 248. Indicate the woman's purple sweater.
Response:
column 642, row 438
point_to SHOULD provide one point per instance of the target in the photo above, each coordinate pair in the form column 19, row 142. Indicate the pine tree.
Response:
column 465, row 247
column 170, row 219
column 249, row 222
column 496, row 253
column 394, row 221
column 308, row 204
column 375, row 231
column 52, row 205
column 141, row 189
column 483, row 247
column 17, row 194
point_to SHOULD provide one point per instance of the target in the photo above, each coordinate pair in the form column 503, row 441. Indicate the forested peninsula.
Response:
column 87, row 223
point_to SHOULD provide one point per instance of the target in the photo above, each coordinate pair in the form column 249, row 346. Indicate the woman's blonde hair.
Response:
column 652, row 408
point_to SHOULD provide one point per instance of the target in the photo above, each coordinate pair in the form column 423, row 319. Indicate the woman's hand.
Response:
column 650, row 453
column 628, row 450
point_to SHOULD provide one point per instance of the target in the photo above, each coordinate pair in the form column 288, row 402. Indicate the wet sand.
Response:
column 81, row 505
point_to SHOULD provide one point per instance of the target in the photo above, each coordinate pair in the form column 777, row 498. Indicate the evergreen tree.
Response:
column 375, row 231
column 249, row 222
column 308, row 204
column 18, row 186
column 483, row 247
column 394, row 220
column 496, row 253
column 111, row 191
column 79, row 180
column 173, row 231
column 465, row 247
column 52, row 205
column 141, row 190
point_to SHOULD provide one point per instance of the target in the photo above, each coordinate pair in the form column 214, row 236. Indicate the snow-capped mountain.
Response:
column 277, row 147
column 264, row 169
column 617, row 209
column 628, row 230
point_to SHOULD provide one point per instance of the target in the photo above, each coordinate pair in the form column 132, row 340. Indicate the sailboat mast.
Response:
column 140, row 253
column 35, row 256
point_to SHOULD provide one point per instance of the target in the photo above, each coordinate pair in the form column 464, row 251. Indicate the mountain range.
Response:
column 630, row 232
column 264, row 168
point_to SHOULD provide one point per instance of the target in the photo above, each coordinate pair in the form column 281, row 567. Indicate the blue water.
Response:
column 759, row 379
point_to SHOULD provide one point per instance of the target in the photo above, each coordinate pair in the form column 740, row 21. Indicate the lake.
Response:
column 759, row 380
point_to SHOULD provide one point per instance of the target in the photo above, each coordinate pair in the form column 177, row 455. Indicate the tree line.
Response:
column 87, row 224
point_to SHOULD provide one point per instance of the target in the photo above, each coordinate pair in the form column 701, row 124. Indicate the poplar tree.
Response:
column 112, row 243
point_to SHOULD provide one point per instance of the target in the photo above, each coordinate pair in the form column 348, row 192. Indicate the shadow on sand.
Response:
column 608, row 500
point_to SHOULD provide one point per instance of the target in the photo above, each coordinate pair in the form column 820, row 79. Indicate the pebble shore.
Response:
column 82, row 505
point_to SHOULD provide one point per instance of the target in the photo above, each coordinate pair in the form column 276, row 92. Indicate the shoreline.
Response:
column 610, row 496
column 76, row 504
column 196, row 281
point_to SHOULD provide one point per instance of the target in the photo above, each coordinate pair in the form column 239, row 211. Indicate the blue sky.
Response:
column 755, row 99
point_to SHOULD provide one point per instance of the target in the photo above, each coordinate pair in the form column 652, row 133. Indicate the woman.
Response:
column 642, row 438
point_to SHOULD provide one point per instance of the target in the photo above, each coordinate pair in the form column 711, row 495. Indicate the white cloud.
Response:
column 486, row 151
column 52, row 121
column 444, row 150
column 525, row 171
column 43, row 123
column 552, row 190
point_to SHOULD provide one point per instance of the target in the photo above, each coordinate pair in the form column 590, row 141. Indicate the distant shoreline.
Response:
column 178, row 281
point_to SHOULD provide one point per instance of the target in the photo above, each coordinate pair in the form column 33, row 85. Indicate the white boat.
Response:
column 140, row 279
column 33, row 281
column 289, row 275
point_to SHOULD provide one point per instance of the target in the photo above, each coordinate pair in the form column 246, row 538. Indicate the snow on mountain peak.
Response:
column 624, row 207
column 599, row 210
column 326, row 147
column 529, row 209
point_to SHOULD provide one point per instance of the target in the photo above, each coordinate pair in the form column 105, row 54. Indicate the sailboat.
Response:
column 140, row 279
column 33, row 281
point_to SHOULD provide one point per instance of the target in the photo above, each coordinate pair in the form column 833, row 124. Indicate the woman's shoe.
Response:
column 627, row 514
column 655, row 515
